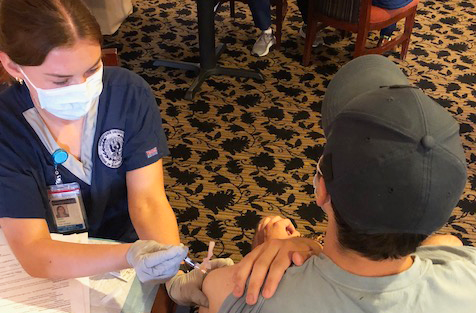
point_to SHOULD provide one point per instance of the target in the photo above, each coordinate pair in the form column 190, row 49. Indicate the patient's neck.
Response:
column 356, row 264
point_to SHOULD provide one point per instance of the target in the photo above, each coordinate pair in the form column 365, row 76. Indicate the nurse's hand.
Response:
column 155, row 262
column 186, row 289
column 270, row 260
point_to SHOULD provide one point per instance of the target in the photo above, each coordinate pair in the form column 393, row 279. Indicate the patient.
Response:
column 391, row 173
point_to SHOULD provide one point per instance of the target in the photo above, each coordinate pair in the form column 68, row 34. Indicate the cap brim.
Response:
column 363, row 74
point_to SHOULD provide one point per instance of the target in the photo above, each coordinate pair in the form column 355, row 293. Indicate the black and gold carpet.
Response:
column 245, row 149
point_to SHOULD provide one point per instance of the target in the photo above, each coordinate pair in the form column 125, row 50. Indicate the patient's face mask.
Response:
column 70, row 102
column 315, row 180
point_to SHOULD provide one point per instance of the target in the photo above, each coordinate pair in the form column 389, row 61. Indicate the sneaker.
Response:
column 317, row 42
column 263, row 44
column 383, row 40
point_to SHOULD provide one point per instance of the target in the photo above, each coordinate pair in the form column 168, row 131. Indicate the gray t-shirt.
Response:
column 441, row 279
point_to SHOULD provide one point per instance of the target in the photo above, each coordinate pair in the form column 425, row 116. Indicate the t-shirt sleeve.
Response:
column 20, row 196
column 144, row 140
column 231, row 304
column 444, row 254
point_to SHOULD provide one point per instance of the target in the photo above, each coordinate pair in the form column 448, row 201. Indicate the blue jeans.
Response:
column 390, row 5
column 387, row 31
column 261, row 11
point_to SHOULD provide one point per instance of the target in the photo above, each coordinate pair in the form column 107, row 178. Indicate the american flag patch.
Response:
column 150, row 153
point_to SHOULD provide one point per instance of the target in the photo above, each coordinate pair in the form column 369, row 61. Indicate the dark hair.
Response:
column 30, row 29
column 376, row 247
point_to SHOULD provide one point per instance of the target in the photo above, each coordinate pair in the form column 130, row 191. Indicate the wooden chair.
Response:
column 361, row 17
column 110, row 57
column 281, row 10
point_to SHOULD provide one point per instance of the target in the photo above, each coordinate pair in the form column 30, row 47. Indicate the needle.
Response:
column 194, row 265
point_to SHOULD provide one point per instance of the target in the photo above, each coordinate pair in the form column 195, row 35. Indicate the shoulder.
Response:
column 123, row 78
column 125, row 91
column 15, row 98
column 217, row 286
column 446, row 254
column 14, row 101
column 123, row 87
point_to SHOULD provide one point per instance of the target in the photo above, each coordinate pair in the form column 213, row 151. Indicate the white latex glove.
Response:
column 155, row 262
column 186, row 289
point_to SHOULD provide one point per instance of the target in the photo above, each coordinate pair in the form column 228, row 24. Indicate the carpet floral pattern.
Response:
column 245, row 149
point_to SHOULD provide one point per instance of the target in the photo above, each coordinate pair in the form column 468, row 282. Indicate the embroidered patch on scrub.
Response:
column 152, row 152
column 110, row 148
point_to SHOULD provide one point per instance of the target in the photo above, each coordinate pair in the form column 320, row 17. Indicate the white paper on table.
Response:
column 108, row 292
column 21, row 293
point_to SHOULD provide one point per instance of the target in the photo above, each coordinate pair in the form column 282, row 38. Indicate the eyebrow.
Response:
column 66, row 76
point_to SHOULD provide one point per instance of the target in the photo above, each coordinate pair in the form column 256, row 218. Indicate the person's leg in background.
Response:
column 303, row 8
column 386, row 34
column 261, row 11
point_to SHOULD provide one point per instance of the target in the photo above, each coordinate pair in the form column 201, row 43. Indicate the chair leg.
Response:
column 360, row 42
column 310, row 33
column 409, row 21
column 281, row 9
column 310, row 36
column 232, row 8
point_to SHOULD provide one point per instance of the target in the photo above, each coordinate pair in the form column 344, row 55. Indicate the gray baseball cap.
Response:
column 393, row 162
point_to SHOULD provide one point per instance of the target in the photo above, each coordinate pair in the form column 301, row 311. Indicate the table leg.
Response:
column 208, row 54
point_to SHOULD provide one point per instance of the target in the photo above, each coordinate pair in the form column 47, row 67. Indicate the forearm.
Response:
column 53, row 259
column 156, row 221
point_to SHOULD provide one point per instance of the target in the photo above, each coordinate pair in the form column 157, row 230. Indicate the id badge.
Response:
column 67, row 208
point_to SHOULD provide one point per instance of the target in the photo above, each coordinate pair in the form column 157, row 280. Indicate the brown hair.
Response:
column 376, row 247
column 30, row 29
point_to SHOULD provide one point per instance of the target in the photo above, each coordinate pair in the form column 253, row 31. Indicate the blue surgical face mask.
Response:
column 70, row 102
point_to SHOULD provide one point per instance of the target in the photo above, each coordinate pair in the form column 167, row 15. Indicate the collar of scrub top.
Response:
column 81, row 169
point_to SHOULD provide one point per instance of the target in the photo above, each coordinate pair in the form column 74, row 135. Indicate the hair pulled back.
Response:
column 30, row 29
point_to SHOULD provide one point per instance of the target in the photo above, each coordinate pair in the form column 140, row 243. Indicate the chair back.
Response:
column 344, row 10
column 358, row 16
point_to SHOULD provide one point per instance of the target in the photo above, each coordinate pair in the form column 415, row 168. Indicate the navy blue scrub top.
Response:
column 128, row 120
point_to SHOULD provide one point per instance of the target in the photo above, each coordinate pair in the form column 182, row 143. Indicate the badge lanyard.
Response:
column 65, row 200
column 59, row 157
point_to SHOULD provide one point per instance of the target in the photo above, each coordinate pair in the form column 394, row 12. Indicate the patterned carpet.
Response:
column 245, row 149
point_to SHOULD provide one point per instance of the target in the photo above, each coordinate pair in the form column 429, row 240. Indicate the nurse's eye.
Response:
column 92, row 71
column 61, row 83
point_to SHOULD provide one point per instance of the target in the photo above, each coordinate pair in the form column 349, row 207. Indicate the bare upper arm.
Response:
column 217, row 286
column 442, row 240
column 147, row 180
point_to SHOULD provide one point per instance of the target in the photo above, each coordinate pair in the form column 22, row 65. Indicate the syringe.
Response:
column 195, row 265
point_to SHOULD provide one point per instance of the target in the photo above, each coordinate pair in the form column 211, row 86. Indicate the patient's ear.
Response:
column 323, row 199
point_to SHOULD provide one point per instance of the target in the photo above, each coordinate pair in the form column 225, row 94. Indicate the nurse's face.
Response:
column 65, row 66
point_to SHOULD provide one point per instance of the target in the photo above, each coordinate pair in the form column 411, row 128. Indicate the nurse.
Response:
column 75, row 134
